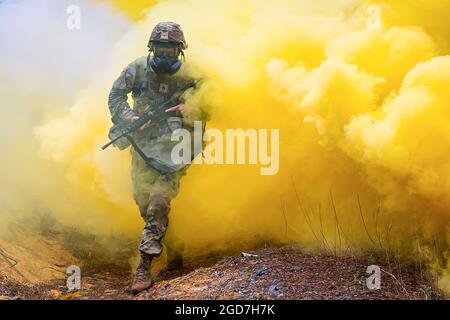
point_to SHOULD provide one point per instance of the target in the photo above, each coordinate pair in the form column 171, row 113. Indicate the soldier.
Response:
column 153, row 79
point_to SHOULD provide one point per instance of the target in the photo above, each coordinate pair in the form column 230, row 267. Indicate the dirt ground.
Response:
column 275, row 273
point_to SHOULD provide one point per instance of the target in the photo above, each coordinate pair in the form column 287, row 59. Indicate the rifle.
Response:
column 157, row 112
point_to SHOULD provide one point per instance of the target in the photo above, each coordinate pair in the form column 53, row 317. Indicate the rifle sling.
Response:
column 148, row 161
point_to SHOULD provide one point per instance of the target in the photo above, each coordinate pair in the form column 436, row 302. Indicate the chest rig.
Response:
column 151, row 90
column 154, row 144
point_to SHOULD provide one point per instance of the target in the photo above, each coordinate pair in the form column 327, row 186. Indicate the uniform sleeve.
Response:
column 118, row 96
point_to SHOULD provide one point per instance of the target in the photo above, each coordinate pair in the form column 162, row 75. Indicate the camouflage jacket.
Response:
column 148, row 89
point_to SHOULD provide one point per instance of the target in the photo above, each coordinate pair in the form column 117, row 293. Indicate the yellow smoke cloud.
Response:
column 134, row 9
column 364, row 129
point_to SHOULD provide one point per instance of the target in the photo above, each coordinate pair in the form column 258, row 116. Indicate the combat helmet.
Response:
column 167, row 32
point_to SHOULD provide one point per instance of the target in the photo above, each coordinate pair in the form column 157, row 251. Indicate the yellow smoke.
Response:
column 363, row 118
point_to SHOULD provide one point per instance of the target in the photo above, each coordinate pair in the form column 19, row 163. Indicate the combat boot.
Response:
column 142, row 279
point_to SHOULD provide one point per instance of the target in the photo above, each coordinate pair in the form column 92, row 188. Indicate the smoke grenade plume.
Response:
column 361, row 104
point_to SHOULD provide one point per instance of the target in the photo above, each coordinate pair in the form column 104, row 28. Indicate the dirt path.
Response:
column 276, row 273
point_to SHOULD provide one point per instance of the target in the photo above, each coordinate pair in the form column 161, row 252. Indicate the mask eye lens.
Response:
column 170, row 52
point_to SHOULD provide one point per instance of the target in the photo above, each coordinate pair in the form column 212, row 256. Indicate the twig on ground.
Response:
column 305, row 213
column 399, row 282
column 364, row 222
column 283, row 211
column 10, row 260
column 321, row 229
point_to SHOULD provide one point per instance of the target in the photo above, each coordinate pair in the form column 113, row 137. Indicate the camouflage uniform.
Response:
column 152, row 190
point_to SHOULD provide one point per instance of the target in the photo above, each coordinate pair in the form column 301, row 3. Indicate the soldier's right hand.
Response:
column 144, row 126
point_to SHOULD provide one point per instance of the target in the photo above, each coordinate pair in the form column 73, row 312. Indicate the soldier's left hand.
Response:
column 180, row 109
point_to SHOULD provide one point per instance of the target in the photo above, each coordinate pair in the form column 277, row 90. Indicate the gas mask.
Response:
column 164, row 58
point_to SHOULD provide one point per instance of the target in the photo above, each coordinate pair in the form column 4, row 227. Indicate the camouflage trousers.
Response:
column 153, row 192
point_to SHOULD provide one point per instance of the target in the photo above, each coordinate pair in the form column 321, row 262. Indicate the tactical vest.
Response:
column 154, row 143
